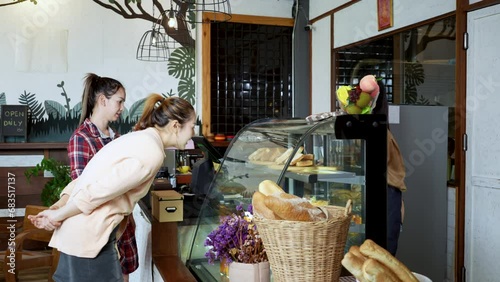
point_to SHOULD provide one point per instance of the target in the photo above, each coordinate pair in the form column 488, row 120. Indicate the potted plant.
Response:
column 53, row 187
column 236, row 242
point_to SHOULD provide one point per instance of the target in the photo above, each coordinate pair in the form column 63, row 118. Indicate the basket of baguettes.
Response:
column 372, row 263
column 303, row 242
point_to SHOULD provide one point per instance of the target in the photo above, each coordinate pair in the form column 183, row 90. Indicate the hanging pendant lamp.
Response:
column 177, row 29
column 217, row 10
column 153, row 45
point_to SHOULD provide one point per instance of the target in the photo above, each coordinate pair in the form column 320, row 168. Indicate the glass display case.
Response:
column 347, row 160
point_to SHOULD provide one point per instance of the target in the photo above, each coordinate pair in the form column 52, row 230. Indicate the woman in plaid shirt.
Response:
column 102, row 103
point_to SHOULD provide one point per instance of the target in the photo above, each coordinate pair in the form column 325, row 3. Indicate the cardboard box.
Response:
column 167, row 205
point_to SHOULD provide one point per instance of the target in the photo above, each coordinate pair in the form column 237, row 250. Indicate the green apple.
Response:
column 353, row 109
column 364, row 100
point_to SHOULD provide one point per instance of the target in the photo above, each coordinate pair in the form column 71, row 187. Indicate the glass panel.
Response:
column 416, row 67
column 336, row 173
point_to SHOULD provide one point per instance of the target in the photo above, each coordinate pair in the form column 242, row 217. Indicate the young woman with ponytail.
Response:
column 103, row 101
column 114, row 180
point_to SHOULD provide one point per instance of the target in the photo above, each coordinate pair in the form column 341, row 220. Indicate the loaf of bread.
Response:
column 374, row 251
column 287, row 154
column 260, row 208
column 255, row 156
column 375, row 271
column 354, row 265
column 305, row 163
column 275, row 153
column 296, row 158
column 308, row 157
column 290, row 207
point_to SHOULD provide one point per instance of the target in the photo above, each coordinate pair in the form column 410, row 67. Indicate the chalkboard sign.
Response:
column 14, row 119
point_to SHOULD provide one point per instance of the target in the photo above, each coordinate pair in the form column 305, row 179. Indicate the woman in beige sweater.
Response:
column 114, row 180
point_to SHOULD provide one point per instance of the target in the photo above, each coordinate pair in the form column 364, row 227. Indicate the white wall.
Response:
column 98, row 40
column 359, row 21
column 321, row 67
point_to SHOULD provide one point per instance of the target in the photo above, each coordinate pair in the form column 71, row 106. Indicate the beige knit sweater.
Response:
column 114, row 180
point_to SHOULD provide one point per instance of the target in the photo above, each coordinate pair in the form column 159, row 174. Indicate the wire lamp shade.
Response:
column 156, row 45
column 153, row 46
column 219, row 10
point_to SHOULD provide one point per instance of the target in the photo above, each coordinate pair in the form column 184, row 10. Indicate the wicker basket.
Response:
column 306, row 251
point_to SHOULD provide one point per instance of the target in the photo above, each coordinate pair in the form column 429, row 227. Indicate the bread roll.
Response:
column 308, row 157
column 282, row 159
column 269, row 187
column 275, row 153
column 260, row 208
column 296, row 158
column 354, row 265
column 255, row 156
column 375, row 271
column 305, row 163
column 374, row 251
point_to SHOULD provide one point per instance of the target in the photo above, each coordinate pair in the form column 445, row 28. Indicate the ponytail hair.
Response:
column 93, row 86
column 160, row 111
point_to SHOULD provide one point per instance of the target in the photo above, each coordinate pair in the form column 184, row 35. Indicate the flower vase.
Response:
column 224, row 267
column 249, row 272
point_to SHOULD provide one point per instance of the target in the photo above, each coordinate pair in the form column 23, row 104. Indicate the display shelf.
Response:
column 349, row 161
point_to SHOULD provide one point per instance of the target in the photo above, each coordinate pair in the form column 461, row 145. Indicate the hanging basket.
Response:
column 306, row 251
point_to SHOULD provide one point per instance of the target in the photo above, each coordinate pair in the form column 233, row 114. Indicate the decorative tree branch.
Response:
column 127, row 11
column 16, row 2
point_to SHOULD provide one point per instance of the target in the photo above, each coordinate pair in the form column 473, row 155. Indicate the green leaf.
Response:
column 76, row 111
column 54, row 109
column 53, row 188
column 124, row 114
column 36, row 109
column 182, row 62
column 3, row 98
column 136, row 109
column 187, row 90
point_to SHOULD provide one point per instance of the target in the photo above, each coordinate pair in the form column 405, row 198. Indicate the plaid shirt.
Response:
column 83, row 145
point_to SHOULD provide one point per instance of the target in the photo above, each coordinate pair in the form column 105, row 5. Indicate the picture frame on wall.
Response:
column 384, row 14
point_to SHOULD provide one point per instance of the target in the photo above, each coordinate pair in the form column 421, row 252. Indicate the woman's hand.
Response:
column 45, row 220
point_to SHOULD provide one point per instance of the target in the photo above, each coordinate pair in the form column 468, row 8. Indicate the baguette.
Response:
column 260, row 208
column 375, row 271
column 290, row 207
column 269, row 187
column 354, row 265
column 374, row 251
column 354, row 250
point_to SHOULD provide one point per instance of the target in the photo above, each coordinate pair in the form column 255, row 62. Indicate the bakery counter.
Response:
column 165, row 254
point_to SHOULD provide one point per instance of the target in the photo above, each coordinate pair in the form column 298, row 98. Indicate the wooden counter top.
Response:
column 165, row 252
column 33, row 146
